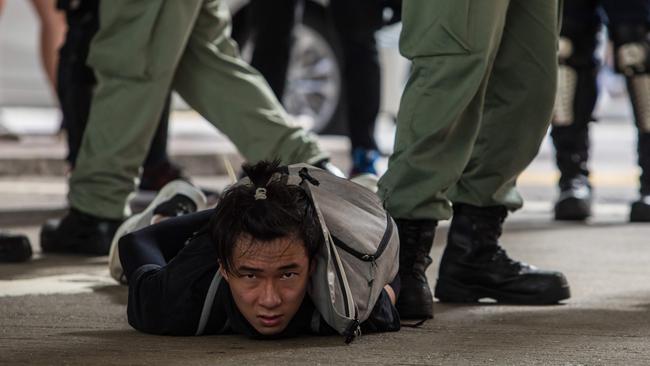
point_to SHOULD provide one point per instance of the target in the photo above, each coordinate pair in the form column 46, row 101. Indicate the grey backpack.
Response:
column 359, row 258
column 360, row 255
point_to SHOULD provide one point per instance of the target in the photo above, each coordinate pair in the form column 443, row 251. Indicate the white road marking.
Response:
column 50, row 285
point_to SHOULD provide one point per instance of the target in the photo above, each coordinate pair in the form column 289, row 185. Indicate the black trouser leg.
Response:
column 577, row 89
column 272, row 23
column 158, row 150
column 629, row 30
column 75, row 80
column 356, row 23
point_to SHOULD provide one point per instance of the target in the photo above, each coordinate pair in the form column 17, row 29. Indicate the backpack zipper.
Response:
column 344, row 289
column 380, row 249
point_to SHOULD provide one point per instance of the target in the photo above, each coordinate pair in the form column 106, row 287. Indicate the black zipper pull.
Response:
column 353, row 330
column 304, row 174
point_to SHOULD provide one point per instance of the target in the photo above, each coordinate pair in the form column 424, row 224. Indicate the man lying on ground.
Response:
column 263, row 238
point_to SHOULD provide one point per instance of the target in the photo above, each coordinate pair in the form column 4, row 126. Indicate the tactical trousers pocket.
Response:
column 121, row 47
column 436, row 27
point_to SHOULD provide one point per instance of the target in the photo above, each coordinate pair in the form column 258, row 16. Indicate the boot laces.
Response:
column 487, row 234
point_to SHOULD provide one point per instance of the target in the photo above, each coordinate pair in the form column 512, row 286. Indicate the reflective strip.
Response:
column 207, row 305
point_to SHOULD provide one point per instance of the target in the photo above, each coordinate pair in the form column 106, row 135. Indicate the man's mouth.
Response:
column 270, row 320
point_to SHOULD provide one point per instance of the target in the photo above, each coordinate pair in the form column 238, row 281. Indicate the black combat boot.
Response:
column 14, row 248
column 474, row 266
column 78, row 233
column 572, row 151
column 640, row 210
column 416, row 239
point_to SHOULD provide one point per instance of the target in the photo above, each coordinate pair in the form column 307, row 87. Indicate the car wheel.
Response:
column 314, row 84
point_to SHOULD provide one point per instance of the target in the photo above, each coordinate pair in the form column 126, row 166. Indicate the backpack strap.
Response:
column 207, row 304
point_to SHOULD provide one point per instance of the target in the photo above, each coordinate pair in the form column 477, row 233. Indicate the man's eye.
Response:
column 249, row 275
column 289, row 275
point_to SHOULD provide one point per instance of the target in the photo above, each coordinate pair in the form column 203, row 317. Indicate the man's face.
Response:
column 269, row 281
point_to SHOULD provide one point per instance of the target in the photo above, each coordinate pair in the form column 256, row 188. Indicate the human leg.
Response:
column 76, row 82
column 52, row 33
column 629, row 31
column 574, row 104
column 134, row 62
column 157, row 168
column 438, row 122
column 273, row 23
column 356, row 23
column 518, row 108
column 234, row 97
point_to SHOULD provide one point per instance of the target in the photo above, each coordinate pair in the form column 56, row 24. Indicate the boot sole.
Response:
column 639, row 212
column 572, row 209
column 454, row 292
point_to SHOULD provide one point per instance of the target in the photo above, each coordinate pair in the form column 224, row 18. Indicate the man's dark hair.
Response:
column 285, row 210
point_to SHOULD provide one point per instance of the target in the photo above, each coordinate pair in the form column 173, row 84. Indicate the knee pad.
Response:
column 567, row 80
column 632, row 57
column 576, row 88
column 632, row 49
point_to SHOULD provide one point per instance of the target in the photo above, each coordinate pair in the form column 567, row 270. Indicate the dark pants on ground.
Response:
column 355, row 23
column 76, row 81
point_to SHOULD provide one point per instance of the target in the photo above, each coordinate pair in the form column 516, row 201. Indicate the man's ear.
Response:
column 223, row 272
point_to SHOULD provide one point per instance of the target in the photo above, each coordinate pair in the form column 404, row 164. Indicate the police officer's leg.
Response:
column 235, row 97
column 356, row 23
column 438, row 121
column 575, row 100
column 272, row 23
column 158, row 169
column 134, row 56
column 75, row 80
column 518, row 108
column 629, row 30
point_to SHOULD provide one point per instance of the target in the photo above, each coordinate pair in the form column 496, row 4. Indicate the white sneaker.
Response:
column 367, row 180
column 144, row 219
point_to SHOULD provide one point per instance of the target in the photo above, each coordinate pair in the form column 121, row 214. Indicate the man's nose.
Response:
column 270, row 297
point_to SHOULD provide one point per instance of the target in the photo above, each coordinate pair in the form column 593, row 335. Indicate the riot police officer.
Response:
column 628, row 26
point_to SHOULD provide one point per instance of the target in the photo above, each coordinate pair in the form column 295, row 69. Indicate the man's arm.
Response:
column 158, row 244
column 168, row 280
